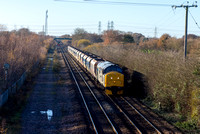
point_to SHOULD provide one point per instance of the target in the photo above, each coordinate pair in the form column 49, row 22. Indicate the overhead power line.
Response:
column 194, row 20
column 186, row 23
column 115, row 3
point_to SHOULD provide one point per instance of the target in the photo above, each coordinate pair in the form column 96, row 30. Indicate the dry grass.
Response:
column 173, row 83
column 171, row 79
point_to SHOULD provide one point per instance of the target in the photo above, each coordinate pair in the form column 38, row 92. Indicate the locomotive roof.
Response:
column 104, row 64
column 108, row 66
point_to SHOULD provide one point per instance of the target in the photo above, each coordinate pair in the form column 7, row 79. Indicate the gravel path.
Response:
column 53, row 106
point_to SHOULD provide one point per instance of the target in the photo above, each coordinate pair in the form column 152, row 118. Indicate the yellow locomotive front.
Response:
column 111, row 77
column 114, row 83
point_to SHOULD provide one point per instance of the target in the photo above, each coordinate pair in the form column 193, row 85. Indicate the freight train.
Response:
column 108, row 74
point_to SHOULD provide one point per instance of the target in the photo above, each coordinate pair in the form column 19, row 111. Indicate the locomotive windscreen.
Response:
column 112, row 68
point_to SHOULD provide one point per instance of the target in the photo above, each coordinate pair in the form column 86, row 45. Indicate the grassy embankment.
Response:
column 57, row 66
column 172, row 84
column 56, row 62
column 10, row 113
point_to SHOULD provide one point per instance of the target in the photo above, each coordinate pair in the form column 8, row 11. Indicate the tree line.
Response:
column 81, row 38
column 21, row 49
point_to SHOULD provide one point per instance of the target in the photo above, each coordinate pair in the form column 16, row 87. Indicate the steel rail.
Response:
column 141, row 115
column 120, row 108
column 114, row 129
column 125, row 114
column 66, row 62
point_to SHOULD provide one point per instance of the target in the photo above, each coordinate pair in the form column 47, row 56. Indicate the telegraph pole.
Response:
column 186, row 30
column 46, row 28
column 186, row 24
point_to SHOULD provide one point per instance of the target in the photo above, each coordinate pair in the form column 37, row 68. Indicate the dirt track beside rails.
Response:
column 53, row 106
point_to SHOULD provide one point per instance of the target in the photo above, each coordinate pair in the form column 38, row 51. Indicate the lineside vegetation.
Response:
column 173, row 84
column 24, row 51
column 21, row 49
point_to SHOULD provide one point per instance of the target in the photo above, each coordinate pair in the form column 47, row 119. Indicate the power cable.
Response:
column 166, row 18
column 194, row 19
column 115, row 3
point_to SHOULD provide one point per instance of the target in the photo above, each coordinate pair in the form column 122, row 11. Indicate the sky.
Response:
column 66, row 15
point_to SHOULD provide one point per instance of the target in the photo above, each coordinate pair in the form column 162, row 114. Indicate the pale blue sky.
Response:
column 64, row 17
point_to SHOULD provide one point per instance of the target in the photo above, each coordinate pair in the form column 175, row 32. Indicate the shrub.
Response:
column 21, row 50
column 171, row 79
column 187, row 125
column 56, row 63
column 83, row 43
column 128, row 38
column 173, row 82
column 162, row 41
column 195, row 104
column 111, row 36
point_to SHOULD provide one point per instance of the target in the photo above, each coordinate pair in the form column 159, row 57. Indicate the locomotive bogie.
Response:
column 112, row 91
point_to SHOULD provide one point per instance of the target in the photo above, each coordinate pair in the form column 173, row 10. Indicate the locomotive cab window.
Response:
column 119, row 70
column 112, row 68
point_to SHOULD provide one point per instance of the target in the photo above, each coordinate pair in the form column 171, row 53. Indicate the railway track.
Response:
column 100, row 121
column 107, row 114
column 158, row 121
column 140, row 120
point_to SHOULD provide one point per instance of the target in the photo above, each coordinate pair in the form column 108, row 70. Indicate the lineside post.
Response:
column 186, row 24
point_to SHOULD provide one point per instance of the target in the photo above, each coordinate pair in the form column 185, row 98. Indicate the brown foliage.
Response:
column 83, row 43
column 152, row 43
column 170, row 78
column 162, row 41
column 111, row 36
column 138, row 37
column 21, row 49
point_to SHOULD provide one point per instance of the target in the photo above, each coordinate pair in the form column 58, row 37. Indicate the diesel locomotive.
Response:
column 108, row 74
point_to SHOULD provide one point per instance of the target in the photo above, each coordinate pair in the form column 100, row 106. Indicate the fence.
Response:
column 15, row 86
column 12, row 89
